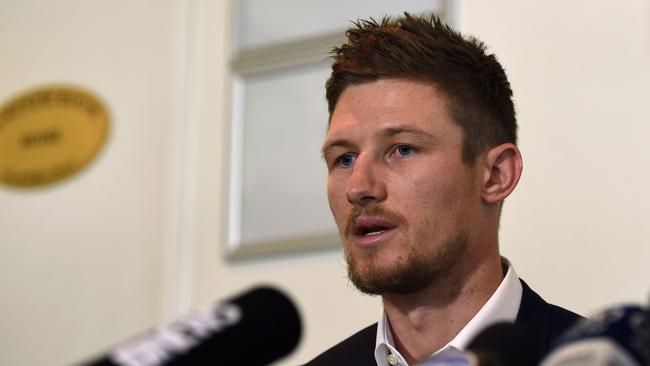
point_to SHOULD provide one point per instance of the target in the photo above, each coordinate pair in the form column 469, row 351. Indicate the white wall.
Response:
column 81, row 261
column 138, row 236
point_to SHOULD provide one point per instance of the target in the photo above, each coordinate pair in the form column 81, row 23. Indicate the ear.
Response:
column 504, row 166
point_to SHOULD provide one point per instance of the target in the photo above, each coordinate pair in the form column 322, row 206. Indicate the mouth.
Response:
column 369, row 230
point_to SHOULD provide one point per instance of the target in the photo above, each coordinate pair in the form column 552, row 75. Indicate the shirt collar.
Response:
column 502, row 306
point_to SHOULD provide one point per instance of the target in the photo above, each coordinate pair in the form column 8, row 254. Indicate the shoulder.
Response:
column 547, row 320
column 358, row 349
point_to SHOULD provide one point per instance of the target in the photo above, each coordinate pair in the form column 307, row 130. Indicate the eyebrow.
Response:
column 329, row 145
column 387, row 132
column 393, row 131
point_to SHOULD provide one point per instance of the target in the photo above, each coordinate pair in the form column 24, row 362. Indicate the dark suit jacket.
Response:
column 546, row 320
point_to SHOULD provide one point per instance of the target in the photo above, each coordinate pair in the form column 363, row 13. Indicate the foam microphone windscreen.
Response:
column 255, row 328
column 617, row 336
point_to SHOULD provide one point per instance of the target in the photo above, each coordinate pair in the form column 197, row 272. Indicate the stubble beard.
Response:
column 422, row 269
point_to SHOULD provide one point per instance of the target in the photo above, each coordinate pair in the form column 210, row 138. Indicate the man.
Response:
column 421, row 152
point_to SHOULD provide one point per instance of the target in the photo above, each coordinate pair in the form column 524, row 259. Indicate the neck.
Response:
column 423, row 322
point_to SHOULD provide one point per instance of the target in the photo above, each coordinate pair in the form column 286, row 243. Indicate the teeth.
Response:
column 376, row 232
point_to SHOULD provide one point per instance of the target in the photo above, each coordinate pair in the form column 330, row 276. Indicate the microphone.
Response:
column 501, row 344
column 619, row 336
column 506, row 344
column 254, row 328
column 451, row 357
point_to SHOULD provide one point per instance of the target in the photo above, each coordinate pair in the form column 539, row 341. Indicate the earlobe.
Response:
column 503, row 169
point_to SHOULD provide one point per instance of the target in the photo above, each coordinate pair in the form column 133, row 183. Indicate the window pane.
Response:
column 263, row 22
column 284, row 177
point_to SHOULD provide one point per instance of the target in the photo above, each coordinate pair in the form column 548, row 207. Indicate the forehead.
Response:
column 389, row 103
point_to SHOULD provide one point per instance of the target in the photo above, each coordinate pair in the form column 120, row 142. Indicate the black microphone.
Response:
column 501, row 344
column 506, row 344
column 618, row 336
column 254, row 328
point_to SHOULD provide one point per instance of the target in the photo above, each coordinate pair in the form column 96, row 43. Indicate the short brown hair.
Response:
column 423, row 48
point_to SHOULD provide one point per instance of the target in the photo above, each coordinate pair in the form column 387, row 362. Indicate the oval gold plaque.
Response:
column 49, row 134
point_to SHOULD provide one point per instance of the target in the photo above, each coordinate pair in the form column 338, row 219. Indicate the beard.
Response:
column 422, row 269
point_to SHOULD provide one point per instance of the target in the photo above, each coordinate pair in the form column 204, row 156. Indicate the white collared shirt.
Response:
column 502, row 306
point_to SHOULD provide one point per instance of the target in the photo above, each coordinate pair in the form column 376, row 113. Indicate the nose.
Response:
column 366, row 184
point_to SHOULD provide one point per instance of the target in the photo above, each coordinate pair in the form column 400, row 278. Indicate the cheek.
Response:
column 429, row 189
column 435, row 201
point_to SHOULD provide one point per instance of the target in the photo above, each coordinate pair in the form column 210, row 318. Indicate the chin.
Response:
column 377, row 275
column 384, row 271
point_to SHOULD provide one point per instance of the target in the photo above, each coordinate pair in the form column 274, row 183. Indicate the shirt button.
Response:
column 392, row 360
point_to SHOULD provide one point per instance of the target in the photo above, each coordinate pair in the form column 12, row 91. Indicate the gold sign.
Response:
column 49, row 134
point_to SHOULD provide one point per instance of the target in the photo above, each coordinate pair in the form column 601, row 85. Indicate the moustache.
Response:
column 373, row 211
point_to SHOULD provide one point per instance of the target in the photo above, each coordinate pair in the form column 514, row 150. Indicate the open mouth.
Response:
column 369, row 227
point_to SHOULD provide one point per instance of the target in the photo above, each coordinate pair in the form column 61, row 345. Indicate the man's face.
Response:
column 397, row 186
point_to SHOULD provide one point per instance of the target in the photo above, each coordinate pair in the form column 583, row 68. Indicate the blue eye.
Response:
column 405, row 150
column 347, row 160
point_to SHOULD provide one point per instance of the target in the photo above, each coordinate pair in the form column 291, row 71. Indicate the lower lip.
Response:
column 373, row 240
